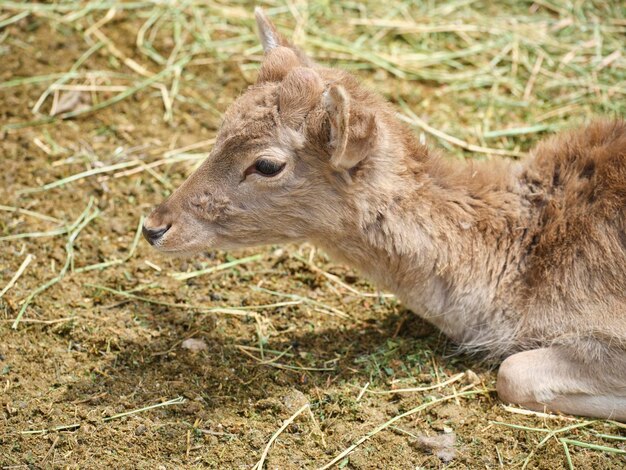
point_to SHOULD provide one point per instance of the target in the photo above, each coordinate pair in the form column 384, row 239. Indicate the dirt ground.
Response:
column 274, row 333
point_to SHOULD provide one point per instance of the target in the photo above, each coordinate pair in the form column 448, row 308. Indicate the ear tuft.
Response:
column 353, row 131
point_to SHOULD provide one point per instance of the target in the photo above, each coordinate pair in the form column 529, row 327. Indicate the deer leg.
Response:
column 553, row 379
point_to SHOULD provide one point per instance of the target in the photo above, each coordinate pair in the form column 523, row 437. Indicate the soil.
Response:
column 83, row 353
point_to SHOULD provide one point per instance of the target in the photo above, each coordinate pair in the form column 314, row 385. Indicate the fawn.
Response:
column 525, row 260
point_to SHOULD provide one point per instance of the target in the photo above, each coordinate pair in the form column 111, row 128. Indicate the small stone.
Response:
column 118, row 227
column 194, row 344
column 140, row 430
column 472, row 377
column 294, row 400
column 441, row 445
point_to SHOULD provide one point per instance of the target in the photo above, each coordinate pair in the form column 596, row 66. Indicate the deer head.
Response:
column 290, row 160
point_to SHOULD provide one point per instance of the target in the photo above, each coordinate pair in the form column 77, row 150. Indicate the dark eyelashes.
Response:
column 266, row 167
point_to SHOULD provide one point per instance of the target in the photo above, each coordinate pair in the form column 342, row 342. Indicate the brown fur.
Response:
column 525, row 260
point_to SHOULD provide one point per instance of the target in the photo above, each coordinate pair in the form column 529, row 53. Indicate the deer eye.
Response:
column 267, row 167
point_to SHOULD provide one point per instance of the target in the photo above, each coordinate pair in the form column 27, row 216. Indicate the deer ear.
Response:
column 271, row 38
column 353, row 131
column 269, row 35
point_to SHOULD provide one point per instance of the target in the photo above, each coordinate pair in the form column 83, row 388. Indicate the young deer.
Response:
column 524, row 260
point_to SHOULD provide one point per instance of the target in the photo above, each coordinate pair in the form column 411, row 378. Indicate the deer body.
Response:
column 523, row 260
column 503, row 256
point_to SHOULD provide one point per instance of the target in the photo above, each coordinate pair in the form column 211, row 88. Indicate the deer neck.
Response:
column 425, row 236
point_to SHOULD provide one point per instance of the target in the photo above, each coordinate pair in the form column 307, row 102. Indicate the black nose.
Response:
column 153, row 234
